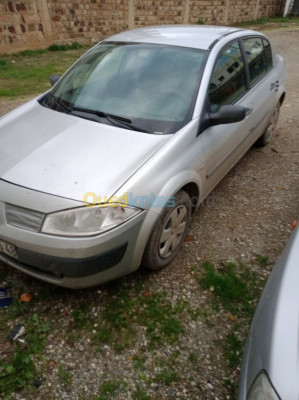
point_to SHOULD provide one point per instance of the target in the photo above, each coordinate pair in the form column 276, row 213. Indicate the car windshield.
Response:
column 151, row 88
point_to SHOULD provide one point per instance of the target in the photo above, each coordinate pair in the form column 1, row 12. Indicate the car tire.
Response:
column 269, row 133
column 168, row 234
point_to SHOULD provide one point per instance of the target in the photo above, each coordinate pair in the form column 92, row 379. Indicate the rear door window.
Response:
column 259, row 57
column 268, row 54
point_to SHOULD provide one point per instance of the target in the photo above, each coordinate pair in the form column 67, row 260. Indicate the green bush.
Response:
column 64, row 47
column 3, row 63
column 31, row 53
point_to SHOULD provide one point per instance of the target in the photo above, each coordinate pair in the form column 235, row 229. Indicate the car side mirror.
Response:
column 54, row 79
column 227, row 115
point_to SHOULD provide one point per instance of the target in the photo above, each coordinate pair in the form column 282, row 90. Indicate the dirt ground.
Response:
column 250, row 214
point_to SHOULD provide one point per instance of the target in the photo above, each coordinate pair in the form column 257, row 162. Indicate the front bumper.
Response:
column 74, row 262
column 112, row 260
column 66, row 267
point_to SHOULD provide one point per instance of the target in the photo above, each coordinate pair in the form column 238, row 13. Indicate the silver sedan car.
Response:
column 270, row 364
column 102, row 173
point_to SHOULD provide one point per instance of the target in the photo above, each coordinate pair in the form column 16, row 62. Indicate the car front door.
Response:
column 237, row 79
column 225, row 144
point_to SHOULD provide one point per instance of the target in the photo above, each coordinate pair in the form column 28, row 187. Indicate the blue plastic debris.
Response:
column 5, row 297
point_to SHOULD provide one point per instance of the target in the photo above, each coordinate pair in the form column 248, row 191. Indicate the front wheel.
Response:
column 168, row 234
column 269, row 133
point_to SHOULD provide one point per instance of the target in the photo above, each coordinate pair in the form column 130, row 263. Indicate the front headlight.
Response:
column 262, row 389
column 87, row 221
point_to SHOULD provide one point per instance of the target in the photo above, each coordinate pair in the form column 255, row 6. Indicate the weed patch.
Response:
column 265, row 20
column 81, row 317
column 18, row 373
column 140, row 395
column 64, row 375
column 167, row 376
column 109, row 390
column 126, row 309
column 31, row 53
column 18, row 370
column 235, row 291
column 262, row 260
column 27, row 73
column 233, row 349
column 3, row 63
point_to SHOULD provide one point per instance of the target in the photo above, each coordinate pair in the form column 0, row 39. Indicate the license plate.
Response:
column 8, row 249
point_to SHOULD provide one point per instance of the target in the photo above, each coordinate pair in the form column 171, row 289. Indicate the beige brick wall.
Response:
column 153, row 12
column 31, row 24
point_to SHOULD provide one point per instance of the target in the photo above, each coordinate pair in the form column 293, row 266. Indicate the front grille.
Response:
column 24, row 218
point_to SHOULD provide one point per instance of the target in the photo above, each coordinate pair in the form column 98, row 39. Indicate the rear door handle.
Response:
column 274, row 85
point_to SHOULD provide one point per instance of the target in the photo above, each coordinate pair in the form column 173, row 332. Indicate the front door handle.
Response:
column 248, row 110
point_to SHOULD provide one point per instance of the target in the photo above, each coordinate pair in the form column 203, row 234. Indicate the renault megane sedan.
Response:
column 101, row 174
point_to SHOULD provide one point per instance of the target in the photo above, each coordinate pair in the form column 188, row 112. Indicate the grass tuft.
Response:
column 32, row 53
column 262, row 260
column 109, row 389
column 18, row 371
column 126, row 308
column 233, row 349
column 140, row 395
column 27, row 73
column 266, row 20
column 234, row 291
column 3, row 63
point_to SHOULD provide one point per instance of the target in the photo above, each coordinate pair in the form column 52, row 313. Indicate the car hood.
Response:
column 274, row 336
column 68, row 156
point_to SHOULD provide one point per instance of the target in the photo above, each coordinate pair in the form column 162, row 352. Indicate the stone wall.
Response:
column 31, row 24
column 87, row 19
column 24, row 24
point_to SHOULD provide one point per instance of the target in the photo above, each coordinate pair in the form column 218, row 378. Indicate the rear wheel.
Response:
column 168, row 234
column 269, row 133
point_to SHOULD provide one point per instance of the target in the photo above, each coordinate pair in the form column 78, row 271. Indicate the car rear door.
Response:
column 263, row 82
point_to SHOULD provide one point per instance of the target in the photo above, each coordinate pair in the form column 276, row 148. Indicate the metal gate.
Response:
column 295, row 9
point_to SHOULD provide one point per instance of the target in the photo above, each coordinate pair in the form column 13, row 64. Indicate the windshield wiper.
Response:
column 115, row 120
column 58, row 102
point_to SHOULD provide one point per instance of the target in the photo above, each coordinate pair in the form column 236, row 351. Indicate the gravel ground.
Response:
column 248, row 214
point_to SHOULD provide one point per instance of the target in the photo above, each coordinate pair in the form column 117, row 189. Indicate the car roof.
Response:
column 195, row 36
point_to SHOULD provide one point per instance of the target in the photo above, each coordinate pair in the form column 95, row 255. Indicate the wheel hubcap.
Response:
column 173, row 231
column 272, row 126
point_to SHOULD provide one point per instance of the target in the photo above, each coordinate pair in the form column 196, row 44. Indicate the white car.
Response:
column 102, row 173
